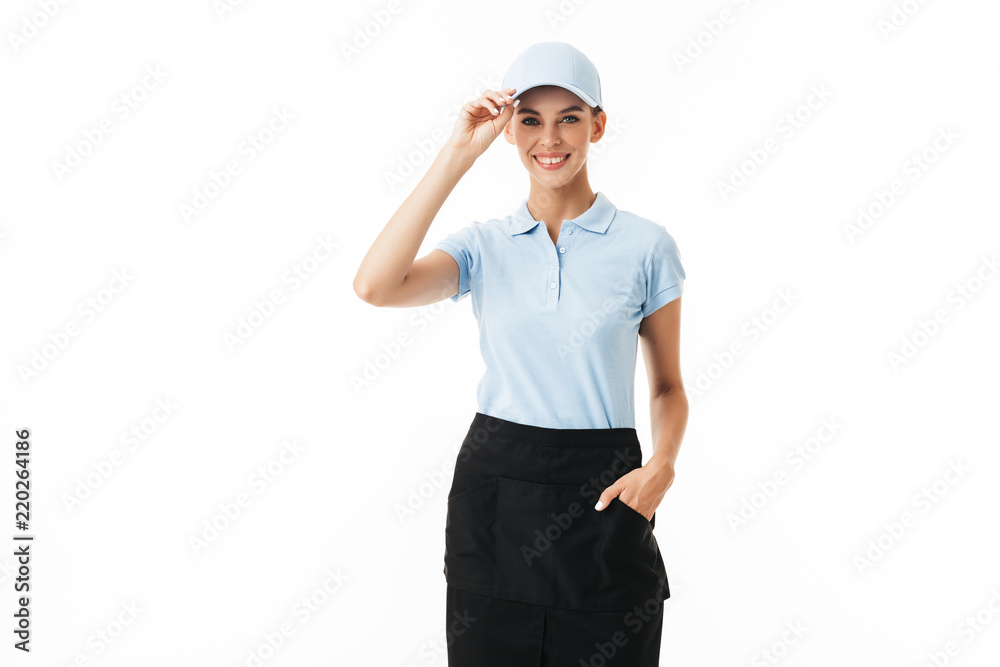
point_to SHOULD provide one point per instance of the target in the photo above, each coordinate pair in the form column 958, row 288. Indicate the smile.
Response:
column 551, row 163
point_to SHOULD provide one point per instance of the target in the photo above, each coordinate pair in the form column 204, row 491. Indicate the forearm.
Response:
column 668, row 414
column 392, row 253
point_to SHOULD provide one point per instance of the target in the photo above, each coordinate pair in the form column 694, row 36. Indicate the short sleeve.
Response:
column 664, row 273
column 463, row 246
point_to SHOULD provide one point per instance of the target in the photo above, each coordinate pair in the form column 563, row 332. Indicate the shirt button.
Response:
column 552, row 266
column 562, row 249
column 552, row 284
column 569, row 231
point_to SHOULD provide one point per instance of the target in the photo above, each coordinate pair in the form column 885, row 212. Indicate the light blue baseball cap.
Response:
column 555, row 64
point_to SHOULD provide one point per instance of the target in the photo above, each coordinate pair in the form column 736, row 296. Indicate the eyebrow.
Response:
column 575, row 107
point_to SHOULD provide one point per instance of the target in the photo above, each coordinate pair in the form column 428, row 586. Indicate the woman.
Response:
column 550, row 557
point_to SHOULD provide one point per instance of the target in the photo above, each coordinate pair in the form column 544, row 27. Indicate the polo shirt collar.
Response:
column 596, row 218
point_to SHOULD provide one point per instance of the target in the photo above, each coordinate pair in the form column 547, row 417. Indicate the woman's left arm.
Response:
column 643, row 489
column 660, row 337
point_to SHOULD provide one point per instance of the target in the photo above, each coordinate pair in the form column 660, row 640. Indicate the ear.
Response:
column 508, row 133
column 600, row 126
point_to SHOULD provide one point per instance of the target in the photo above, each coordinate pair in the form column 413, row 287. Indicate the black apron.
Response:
column 535, row 574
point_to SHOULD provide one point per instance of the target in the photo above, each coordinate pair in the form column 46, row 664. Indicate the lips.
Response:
column 550, row 161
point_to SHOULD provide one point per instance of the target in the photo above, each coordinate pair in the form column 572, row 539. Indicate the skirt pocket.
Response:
column 632, row 556
column 628, row 510
column 548, row 544
column 468, row 535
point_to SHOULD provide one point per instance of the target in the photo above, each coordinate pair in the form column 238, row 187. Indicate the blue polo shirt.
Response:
column 559, row 323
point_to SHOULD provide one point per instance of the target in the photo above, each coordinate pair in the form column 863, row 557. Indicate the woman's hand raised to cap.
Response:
column 481, row 121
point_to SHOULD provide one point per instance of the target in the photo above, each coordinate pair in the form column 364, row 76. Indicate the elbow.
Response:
column 366, row 292
column 668, row 388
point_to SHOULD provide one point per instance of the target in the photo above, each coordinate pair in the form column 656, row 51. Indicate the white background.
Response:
column 363, row 495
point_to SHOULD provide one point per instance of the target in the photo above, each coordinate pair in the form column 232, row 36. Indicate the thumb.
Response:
column 609, row 494
column 506, row 112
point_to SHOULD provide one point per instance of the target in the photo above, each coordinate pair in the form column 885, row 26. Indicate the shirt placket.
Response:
column 557, row 253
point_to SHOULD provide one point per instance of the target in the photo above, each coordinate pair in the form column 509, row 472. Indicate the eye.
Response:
column 534, row 121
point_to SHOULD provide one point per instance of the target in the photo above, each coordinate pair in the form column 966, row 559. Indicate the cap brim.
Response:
column 573, row 89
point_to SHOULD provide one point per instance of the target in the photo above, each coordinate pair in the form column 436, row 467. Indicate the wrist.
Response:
column 661, row 464
column 453, row 156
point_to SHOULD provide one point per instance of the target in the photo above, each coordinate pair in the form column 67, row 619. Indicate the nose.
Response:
column 550, row 136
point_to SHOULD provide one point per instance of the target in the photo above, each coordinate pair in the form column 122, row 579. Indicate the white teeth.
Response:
column 551, row 160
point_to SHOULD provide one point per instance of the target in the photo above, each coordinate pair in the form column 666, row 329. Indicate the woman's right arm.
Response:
column 388, row 275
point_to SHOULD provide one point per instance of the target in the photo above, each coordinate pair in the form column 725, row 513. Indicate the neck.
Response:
column 554, row 205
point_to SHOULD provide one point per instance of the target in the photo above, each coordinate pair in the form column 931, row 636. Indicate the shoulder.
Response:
column 650, row 236
column 473, row 235
column 482, row 228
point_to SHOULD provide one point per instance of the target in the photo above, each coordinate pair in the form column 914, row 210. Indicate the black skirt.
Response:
column 537, row 576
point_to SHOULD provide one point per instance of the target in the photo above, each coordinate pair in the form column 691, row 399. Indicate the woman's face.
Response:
column 555, row 125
